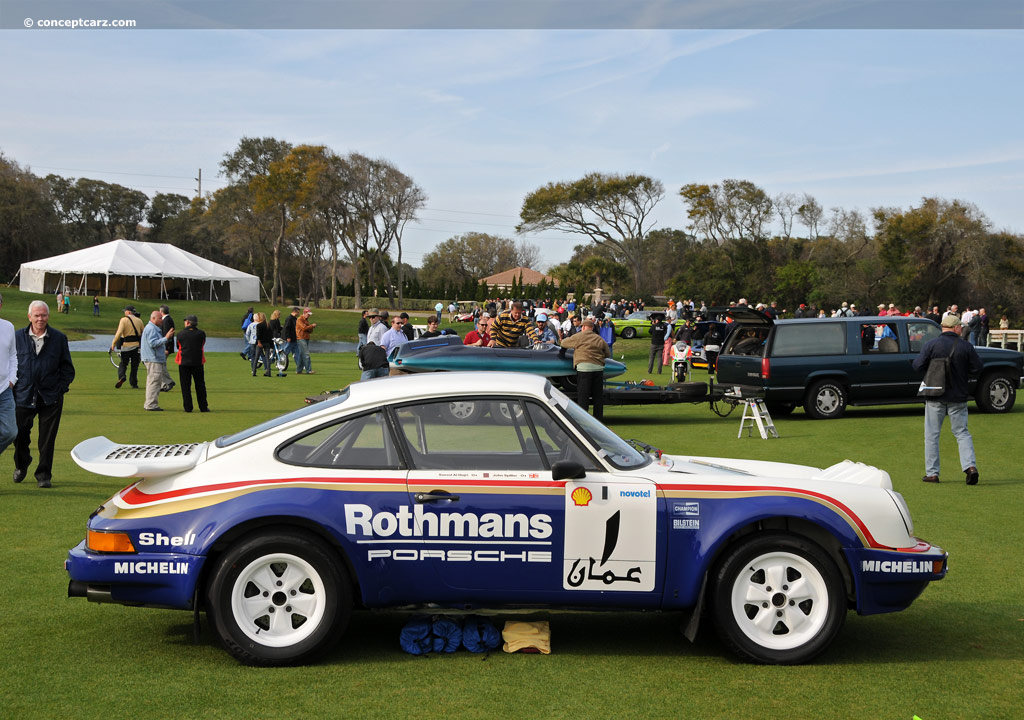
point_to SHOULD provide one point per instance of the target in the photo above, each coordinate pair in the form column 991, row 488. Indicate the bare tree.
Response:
column 786, row 205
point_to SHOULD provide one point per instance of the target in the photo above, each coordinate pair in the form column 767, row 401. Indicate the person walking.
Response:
column 963, row 362
column 45, row 374
column 8, row 378
column 190, row 359
column 291, row 344
column 128, row 338
column 154, row 357
column 264, row 338
column 303, row 329
column 589, row 353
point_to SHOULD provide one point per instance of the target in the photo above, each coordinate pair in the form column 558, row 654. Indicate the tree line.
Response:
column 314, row 224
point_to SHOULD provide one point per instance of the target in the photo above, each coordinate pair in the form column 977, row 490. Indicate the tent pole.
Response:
column 135, row 287
column 106, row 287
column 211, row 290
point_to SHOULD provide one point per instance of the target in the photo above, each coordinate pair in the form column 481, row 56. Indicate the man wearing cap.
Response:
column 128, row 338
column 377, row 329
column 963, row 362
column 589, row 354
column 303, row 329
column 407, row 328
column 190, row 364
column 659, row 328
column 545, row 335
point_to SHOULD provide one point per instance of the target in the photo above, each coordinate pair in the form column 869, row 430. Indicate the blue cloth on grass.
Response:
column 447, row 635
column 480, row 635
column 415, row 636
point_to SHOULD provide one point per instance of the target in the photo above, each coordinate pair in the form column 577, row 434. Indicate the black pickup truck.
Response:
column 826, row 364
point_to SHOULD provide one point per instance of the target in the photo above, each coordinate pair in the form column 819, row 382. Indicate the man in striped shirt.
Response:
column 510, row 325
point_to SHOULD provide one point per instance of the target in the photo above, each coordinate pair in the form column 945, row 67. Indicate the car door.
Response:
column 882, row 371
column 490, row 520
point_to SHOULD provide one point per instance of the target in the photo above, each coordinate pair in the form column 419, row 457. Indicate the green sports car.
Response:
column 636, row 324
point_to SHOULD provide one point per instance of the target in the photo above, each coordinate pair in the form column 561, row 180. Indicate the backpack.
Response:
column 936, row 377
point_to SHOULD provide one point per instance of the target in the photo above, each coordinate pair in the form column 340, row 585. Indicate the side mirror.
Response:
column 568, row 470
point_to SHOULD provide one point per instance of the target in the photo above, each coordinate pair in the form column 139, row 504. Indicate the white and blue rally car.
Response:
column 381, row 498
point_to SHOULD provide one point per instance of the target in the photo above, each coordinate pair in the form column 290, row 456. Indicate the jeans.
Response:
column 302, row 360
column 256, row 353
column 935, row 412
column 8, row 418
column 375, row 373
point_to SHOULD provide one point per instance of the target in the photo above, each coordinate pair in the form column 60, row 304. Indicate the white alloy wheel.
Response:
column 780, row 601
column 278, row 600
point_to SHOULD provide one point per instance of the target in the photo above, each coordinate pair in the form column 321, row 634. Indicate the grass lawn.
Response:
column 958, row 652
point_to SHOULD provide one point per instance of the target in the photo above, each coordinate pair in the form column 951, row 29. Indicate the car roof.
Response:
column 382, row 391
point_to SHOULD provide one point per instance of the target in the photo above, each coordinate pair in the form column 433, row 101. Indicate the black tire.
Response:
column 628, row 333
column 680, row 373
column 825, row 400
column 307, row 607
column 280, row 361
column 459, row 412
column 996, row 393
column 808, row 609
column 780, row 409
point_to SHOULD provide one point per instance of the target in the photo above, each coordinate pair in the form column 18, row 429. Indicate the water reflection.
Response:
column 101, row 343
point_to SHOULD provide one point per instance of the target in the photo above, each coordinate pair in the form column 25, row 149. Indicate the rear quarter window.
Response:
column 808, row 338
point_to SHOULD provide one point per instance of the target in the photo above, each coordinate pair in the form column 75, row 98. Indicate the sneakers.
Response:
column 972, row 475
column 930, row 478
column 169, row 387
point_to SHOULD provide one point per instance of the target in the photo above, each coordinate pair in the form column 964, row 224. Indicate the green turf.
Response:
column 958, row 652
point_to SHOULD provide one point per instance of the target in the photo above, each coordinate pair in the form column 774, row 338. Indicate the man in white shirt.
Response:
column 8, row 377
column 377, row 328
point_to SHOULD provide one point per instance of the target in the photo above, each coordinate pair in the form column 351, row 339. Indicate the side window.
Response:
column 361, row 442
column 471, row 435
column 879, row 338
column 809, row 338
column 556, row 443
column 920, row 333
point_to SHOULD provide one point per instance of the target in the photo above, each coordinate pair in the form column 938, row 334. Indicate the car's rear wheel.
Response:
column 279, row 599
column 503, row 411
column 778, row 599
column 996, row 393
column 825, row 400
column 628, row 333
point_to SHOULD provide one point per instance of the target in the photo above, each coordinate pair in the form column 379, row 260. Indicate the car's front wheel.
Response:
column 996, row 393
column 825, row 400
column 778, row 599
column 461, row 412
column 629, row 333
column 279, row 598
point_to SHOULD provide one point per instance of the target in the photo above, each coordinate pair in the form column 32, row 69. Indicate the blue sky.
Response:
column 479, row 119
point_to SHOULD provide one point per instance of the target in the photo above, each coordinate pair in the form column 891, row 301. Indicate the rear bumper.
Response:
column 154, row 579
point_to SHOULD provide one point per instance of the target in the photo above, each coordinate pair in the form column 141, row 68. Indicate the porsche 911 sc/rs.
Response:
column 379, row 498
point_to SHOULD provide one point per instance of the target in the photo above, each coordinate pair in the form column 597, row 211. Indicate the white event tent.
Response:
column 127, row 268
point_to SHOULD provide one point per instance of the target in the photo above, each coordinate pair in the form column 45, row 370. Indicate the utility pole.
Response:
column 199, row 191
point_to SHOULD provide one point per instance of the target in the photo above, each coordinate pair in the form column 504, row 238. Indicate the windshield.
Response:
column 611, row 447
column 226, row 440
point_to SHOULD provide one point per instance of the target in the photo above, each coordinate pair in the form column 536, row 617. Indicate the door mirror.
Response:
column 567, row 470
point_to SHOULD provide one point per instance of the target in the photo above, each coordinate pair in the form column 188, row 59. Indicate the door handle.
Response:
column 435, row 496
column 865, row 362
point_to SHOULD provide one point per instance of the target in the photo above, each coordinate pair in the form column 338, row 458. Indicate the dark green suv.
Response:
column 826, row 364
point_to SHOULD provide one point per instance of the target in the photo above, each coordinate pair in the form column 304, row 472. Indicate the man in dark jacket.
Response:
column 190, row 343
column 963, row 362
column 45, row 373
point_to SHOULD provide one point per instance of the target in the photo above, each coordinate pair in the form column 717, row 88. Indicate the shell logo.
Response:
column 581, row 496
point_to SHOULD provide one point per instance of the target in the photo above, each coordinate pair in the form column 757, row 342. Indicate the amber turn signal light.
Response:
column 110, row 542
